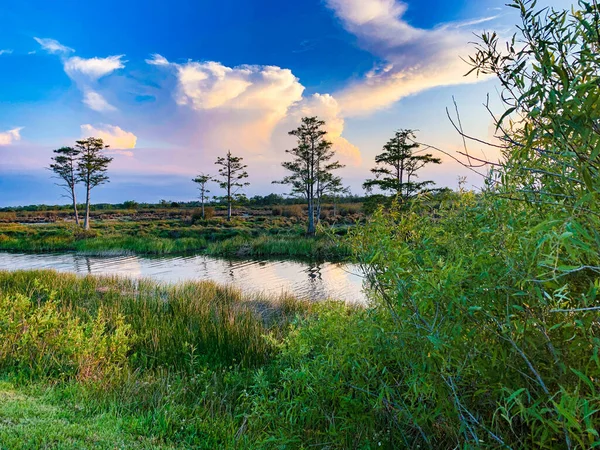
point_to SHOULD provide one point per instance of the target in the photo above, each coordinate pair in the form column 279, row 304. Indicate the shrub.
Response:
column 40, row 341
column 292, row 211
column 209, row 212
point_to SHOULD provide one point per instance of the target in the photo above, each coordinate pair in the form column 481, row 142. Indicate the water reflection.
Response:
column 314, row 281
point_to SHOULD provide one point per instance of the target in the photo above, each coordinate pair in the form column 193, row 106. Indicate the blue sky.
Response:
column 172, row 85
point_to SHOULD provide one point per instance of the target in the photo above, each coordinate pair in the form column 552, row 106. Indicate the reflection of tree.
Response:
column 314, row 271
column 82, row 264
column 231, row 272
column 316, row 288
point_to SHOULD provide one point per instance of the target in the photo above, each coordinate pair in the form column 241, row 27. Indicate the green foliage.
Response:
column 92, row 167
column 550, row 79
column 311, row 170
column 42, row 341
column 398, row 165
column 231, row 173
column 213, row 236
column 64, row 166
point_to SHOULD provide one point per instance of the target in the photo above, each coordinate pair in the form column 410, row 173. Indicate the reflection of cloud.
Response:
column 10, row 136
column 117, row 138
column 415, row 59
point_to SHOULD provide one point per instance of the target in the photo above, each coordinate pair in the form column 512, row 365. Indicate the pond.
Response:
column 312, row 281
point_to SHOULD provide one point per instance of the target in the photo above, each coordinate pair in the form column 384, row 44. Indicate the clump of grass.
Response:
column 178, row 361
column 256, row 236
column 282, row 246
column 216, row 323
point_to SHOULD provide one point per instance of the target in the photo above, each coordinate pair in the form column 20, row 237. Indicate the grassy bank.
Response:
column 106, row 362
column 248, row 238
column 98, row 362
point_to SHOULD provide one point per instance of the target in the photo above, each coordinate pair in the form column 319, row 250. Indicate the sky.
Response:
column 171, row 86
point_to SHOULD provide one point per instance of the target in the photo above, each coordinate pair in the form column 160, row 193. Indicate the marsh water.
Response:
column 312, row 281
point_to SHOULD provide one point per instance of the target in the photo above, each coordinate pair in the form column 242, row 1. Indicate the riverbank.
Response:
column 255, row 237
column 102, row 362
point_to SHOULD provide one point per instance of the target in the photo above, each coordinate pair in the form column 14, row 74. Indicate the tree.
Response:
column 91, row 169
column 311, row 168
column 330, row 186
column 202, row 180
column 397, row 166
column 232, row 172
column 65, row 167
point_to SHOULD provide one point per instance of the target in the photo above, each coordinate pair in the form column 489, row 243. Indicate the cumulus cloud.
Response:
column 5, row 52
column 414, row 59
column 97, row 102
column 117, row 138
column 327, row 108
column 93, row 68
column 234, row 105
column 10, row 136
column 53, row 46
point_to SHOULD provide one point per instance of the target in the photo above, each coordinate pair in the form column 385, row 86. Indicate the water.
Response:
column 312, row 281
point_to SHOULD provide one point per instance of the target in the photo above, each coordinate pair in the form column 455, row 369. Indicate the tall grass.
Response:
column 171, row 324
column 173, row 363
column 290, row 247
column 261, row 237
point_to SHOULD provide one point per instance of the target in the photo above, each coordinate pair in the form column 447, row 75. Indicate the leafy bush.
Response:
column 492, row 301
column 40, row 341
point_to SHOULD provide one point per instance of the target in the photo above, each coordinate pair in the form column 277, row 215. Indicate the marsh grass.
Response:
column 217, row 324
column 185, row 360
column 256, row 237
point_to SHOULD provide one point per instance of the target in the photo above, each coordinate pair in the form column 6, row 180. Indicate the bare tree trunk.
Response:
column 229, row 193
column 74, row 198
column 311, row 217
column 86, row 224
column 228, row 190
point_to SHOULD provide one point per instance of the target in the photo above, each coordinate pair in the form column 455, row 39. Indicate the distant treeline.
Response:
column 256, row 201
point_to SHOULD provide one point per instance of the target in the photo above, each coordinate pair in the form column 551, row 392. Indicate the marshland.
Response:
column 415, row 315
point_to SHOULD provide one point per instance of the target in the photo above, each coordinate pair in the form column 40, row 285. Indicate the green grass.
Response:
column 35, row 420
column 170, row 365
column 254, row 237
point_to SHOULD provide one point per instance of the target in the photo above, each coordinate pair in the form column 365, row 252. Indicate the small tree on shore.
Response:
column 202, row 180
column 311, row 167
column 91, row 169
column 64, row 165
column 333, row 189
column 397, row 166
column 232, row 172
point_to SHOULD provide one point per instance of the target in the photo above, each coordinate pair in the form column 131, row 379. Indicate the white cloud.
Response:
column 234, row 105
column 415, row 59
column 53, row 46
column 5, row 52
column 115, row 137
column 97, row 102
column 326, row 108
column 10, row 136
column 249, row 109
column 93, row 68
column 157, row 60
column 85, row 72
